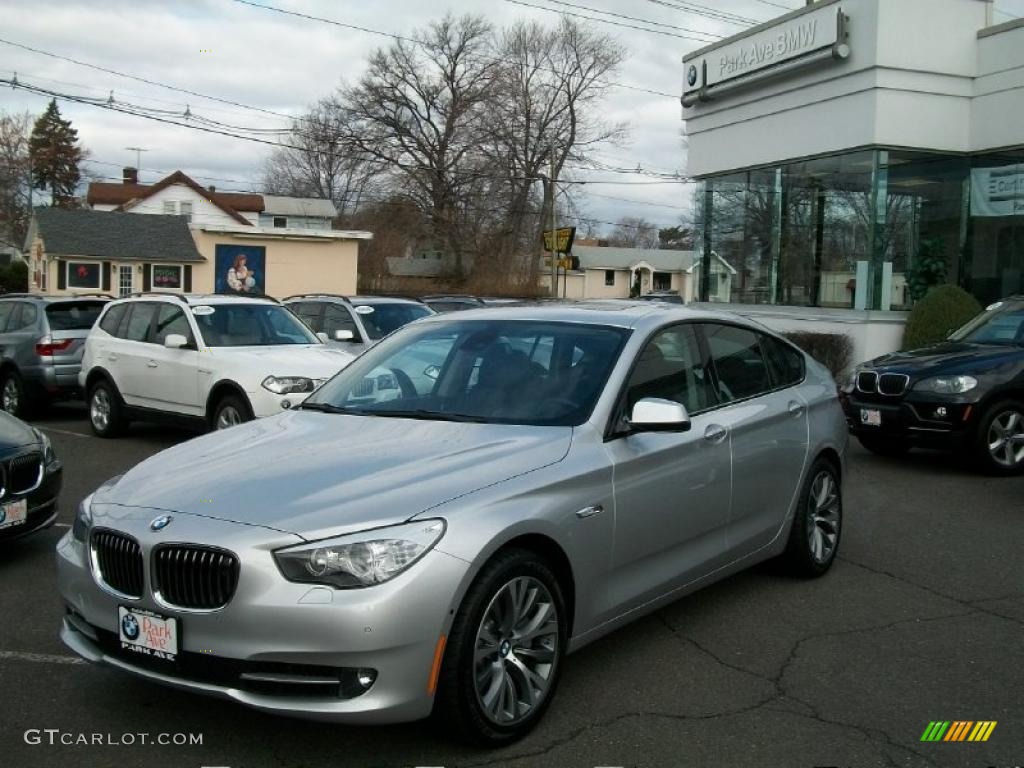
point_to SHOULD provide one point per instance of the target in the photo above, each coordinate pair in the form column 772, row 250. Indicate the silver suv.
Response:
column 41, row 344
column 355, row 322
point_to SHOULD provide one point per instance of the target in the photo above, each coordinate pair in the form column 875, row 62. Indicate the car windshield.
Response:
column 250, row 325
column 73, row 315
column 494, row 371
column 381, row 319
column 1002, row 323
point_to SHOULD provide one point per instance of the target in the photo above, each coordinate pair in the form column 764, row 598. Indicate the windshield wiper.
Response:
column 324, row 408
column 425, row 415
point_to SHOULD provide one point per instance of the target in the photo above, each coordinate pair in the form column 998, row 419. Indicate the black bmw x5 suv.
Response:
column 966, row 393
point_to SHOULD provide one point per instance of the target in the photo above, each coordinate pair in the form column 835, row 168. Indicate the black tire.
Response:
column 229, row 411
column 14, row 396
column 884, row 446
column 801, row 557
column 983, row 455
column 104, row 397
column 457, row 704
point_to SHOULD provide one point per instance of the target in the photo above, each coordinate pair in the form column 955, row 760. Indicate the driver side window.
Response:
column 671, row 367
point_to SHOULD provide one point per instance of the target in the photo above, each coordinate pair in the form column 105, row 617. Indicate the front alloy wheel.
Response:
column 1002, row 446
column 515, row 651
column 504, row 650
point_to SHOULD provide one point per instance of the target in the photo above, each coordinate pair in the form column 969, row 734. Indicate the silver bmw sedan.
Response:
column 468, row 502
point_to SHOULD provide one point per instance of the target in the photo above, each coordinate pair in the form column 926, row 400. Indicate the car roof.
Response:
column 622, row 314
column 197, row 299
column 55, row 299
column 383, row 300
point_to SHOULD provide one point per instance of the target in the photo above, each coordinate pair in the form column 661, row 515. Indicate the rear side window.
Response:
column 309, row 313
column 338, row 319
column 738, row 361
column 137, row 328
column 785, row 364
column 29, row 315
column 73, row 315
column 113, row 318
column 7, row 308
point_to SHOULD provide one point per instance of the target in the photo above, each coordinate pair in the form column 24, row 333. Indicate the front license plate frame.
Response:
column 147, row 633
column 13, row 513
column 870, row 417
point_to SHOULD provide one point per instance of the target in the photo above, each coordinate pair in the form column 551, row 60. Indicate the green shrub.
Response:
column 14, row 277
column 833, row 350
column 944, row 309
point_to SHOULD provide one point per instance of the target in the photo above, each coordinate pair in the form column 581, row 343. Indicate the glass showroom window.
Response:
column 81, row 274
column 993, row 264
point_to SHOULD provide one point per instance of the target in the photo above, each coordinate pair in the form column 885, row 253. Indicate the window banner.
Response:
column 997, row 191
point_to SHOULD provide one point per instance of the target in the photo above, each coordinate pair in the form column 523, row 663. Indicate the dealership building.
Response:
column 852, row 149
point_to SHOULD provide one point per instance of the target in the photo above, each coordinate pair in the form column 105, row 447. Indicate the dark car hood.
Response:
column 15, row 433
column 317, row 475
column 949, row 357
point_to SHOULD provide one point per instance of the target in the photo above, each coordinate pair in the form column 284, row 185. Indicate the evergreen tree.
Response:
column 55, row 154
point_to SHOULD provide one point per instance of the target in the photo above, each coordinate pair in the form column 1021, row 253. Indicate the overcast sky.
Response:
column 282, row 64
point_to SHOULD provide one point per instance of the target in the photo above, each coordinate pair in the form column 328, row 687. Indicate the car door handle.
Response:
column 715, row 433
column 795, row 408
column 151, row 364
column 586, row 512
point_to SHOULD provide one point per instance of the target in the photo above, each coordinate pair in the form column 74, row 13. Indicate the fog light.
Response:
column 365, row 677
column 286, row 404
column 941, row 411
column 355, row 682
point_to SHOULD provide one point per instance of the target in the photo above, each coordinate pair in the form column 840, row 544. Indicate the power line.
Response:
column 776, row 5
column 323, row 20
column 604, row 21
column 633, row 18
column 707, row 12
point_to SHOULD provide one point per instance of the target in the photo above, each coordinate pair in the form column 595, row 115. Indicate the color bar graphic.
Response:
column 958, row 730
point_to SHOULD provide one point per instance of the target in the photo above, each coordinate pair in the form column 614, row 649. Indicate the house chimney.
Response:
column 130, row 175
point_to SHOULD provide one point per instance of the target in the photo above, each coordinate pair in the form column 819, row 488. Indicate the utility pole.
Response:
column 554, row 238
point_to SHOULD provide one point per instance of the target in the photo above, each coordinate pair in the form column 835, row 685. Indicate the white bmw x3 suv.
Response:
column 220, row 360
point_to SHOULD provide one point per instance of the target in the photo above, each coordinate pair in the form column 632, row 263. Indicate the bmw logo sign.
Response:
column 130, row 626
column 691, row 75
column 159, row 523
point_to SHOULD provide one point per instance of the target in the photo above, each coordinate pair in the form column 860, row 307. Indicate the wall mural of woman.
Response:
column 241, row 269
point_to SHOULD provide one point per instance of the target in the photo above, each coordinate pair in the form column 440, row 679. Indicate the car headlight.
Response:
column 360, row 559
column 289, row 385
column 850, row 382
column 83, row 520
column 50, row 460
column 947, row 385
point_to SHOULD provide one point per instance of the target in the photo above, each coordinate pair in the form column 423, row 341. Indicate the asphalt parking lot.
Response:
column 919, row 620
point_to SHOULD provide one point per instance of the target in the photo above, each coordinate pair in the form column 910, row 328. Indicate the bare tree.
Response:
column 320, row 161
column 15, row 179
column 634, row 232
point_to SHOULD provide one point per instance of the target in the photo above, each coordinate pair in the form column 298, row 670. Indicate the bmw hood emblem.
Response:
column 159, row 523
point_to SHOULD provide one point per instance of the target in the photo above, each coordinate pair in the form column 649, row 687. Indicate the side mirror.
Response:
column 432, row 372
column 323, row 337
column 175, row 341
column 343, row 335
column 652, row 414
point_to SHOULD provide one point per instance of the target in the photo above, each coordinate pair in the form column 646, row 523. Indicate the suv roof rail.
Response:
column 187, row 298
column 320, row 295
column 139, row 294
column 87, row 294
column 23, row 296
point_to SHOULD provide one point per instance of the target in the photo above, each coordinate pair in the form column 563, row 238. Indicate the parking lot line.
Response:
column 44, row 658
column 63, row 431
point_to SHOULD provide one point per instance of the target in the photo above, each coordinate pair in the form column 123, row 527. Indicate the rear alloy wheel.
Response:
column 231, row 410
column 106, row 412
column 12, row 395
column 817, row 526
column 884, row 446
column 1000, row 446
column 504, row 652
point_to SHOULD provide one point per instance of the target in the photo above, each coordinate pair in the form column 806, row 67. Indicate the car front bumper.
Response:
column 266, row 403
column 267, row 647
column 42, row 506
column 918, row 422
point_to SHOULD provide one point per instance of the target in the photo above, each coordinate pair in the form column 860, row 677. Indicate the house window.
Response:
column 185, row 209
column 83, row 275
column 609, row 277
column 169, row 208
column 125, row 280
column 166, row 277
column 662, row 281
column 281, row 222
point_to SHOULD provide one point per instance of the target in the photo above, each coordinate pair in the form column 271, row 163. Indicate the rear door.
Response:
column 127, row 357
column 337, row 317
column 68, row 324
column 310, row 312
column 767, row 421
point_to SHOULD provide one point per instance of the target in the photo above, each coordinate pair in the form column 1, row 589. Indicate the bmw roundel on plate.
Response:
column 437, row 527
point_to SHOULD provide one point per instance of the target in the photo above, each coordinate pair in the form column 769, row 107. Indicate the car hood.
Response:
column 318, row 475
column 15, row 433
column 317, row 361
column 950, row 357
